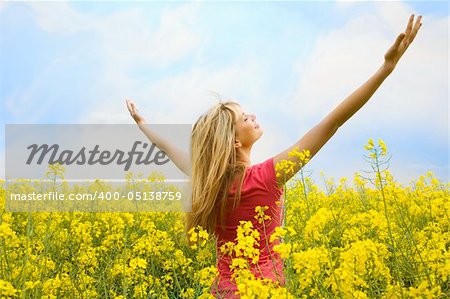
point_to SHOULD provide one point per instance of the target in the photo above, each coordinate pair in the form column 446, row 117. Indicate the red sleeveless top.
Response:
column 259, row 188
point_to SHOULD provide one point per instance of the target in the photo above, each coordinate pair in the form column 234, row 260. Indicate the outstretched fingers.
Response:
column 131, row 106
column 411, row 30
column 409, row 26
column 416, row 29
column 402, row 42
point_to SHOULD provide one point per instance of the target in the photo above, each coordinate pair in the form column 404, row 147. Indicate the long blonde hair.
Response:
column 214, row 166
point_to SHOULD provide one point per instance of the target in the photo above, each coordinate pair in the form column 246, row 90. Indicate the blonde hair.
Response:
column 214, row 166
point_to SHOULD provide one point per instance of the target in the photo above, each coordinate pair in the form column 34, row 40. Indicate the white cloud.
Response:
column 124, row 40
column 128, row 40
column 126, row 37
column 405, row 173
column 176, row 35
column 346, row 3
column 59, row 17
column 3, row 5
column 183, row 97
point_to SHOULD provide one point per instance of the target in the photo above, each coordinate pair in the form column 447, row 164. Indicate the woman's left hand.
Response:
column 402, row 43
column 134, row 112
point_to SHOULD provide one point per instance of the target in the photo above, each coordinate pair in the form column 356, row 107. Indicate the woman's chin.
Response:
column 261, row 132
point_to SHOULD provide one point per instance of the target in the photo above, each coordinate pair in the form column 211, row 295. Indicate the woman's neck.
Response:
column 243, row 155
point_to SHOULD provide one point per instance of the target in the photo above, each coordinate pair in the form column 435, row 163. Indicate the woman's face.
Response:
column 247, row 129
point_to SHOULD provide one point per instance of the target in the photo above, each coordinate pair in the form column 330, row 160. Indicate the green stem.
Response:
column 388, row 225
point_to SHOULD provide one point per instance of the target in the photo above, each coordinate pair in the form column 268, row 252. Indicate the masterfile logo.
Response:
column 95, row 156
column 90, row 152
column 94, row 168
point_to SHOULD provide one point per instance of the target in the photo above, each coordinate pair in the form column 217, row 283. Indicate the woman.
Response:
column 226, row 188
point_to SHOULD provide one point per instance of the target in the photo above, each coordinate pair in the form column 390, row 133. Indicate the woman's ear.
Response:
column 237, row 144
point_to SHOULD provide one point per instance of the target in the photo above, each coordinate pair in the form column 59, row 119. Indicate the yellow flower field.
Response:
column 373, row 238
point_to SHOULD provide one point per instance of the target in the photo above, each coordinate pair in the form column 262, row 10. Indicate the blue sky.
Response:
column 290, row 63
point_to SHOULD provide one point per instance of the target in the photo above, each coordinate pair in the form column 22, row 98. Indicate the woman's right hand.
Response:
column 134, row 112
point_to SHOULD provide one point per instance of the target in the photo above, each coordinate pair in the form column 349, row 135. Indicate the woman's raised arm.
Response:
column 315, row 138
column 180, row 158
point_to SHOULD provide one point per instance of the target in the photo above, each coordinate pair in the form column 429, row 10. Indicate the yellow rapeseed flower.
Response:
column 138, row 263
column 383, row 147
column 283, row 249
column 260, row 215
column 369, row 145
